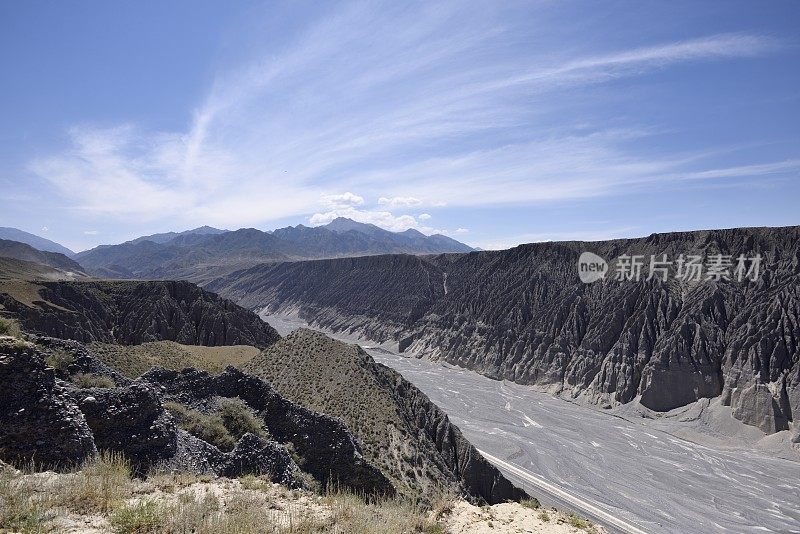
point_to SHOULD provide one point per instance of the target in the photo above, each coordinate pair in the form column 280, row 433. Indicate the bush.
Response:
column 239, row 420
column 9, row 327
column 60, row 360
column 89, row 380
column 139, row 518
column 209, row 428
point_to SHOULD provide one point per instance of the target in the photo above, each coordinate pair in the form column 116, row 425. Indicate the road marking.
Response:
column 575, row 501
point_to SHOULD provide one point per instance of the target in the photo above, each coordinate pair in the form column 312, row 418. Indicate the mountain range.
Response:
column 205, row 253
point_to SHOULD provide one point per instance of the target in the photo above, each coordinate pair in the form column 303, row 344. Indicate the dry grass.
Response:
column 22, row 507
column 133, row 361
column 100, row 486
column 102, row 495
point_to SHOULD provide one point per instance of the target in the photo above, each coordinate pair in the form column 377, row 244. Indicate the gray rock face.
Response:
column 480, row 478
column 83, row 361
column 136, row 312
column 755, row 405
column 523, row 315
column 39, row 422
column 252, row 455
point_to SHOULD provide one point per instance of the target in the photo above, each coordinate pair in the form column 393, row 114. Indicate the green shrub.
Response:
column 577, row 522
column 531, row 503
column 89, row 380
column 9, row 327
column 239, row 420
column 209, row 428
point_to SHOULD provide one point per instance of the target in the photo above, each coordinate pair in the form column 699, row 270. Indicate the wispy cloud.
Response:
column 402, row 108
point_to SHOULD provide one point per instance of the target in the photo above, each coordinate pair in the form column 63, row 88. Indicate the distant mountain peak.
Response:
column 343, row 224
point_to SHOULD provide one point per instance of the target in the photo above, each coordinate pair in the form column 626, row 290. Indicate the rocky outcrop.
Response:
column 257, row 456
column 54, row 424
column 524, row 315
column 323, row 445
column 39, row 422
column 136, row 312
column 130, row 420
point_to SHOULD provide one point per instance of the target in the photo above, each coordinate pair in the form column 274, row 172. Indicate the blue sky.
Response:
column 494, row 122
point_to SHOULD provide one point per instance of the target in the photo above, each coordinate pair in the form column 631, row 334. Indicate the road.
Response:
column 626, row 476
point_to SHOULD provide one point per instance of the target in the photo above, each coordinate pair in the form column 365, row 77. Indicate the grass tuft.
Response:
column 531, row 503
column 90, row 380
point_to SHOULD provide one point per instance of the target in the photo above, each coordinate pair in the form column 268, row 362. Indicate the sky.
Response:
column 496, row 123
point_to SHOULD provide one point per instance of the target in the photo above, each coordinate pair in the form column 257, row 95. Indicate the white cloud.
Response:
column 90, row 232
column 384, row 219
column 424, row 216
column 462, row 231
column 45, row 229
column 399, row 202
column 343, row 200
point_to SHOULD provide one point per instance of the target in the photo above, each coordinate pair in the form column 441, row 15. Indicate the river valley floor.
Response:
column 627, row 472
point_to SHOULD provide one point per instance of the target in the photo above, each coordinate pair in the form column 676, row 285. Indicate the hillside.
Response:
column 37, row 242
column 203, row 254
column 131, row 313
column 403, row 433
column 523, row 315
column 25, row 252
column 14, row 269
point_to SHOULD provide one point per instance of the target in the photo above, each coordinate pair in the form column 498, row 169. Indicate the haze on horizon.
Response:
column 495, row 124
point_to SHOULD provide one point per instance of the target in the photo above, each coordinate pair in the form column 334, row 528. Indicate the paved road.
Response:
column 600, row 465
